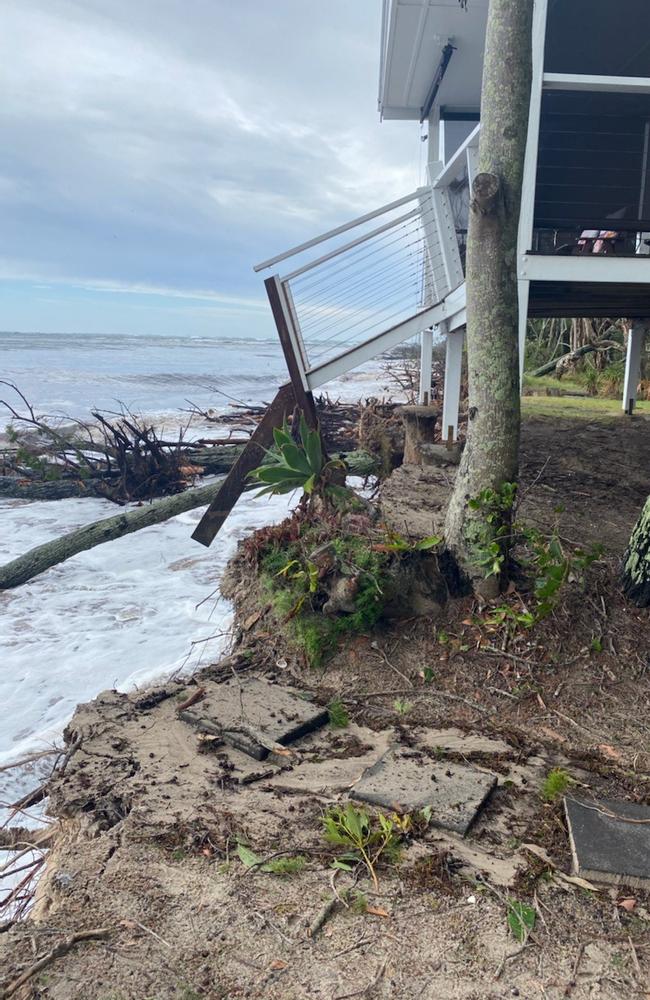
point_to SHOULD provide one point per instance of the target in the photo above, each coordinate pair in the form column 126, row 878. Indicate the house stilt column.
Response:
column 523, row 288
column 451, row 398
column 635, row 342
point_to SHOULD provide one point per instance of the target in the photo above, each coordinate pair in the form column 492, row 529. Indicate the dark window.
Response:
column 598, row 37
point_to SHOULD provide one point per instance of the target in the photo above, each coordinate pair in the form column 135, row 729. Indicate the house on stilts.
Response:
column 351, row 294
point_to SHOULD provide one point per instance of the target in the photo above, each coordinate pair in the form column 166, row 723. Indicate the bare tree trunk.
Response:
column 636, row 561
column 490, row 458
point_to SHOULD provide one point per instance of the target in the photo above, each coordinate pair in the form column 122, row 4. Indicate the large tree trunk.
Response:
column 636, row 561
column 490, row 458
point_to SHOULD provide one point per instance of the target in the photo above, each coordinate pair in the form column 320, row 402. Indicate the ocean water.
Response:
column 135, row 609
column 72, row 374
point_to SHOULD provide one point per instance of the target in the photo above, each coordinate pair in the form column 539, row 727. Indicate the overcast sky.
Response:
column 154, row 150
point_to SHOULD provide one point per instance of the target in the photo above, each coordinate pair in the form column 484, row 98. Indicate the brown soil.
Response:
column 148, row 825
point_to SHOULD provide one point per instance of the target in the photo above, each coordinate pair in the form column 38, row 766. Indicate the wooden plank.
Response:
column 250, row 458
column 281, row 315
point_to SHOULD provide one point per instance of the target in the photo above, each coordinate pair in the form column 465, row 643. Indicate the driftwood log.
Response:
column 43, row 557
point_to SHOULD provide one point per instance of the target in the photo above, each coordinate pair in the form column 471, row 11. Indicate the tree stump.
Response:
column 420, row 429
column 636, row 561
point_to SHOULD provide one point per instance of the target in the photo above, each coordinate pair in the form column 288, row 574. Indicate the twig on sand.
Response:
column 353, row 947
column 392, row 666
column 365, row 989
column 322, row 916
column 70, row 752
column 635, row 958
column 59, row 950
column 507, row 958
column 421, row 692
column 130, row 923
column 195, row 697
column 574, row 972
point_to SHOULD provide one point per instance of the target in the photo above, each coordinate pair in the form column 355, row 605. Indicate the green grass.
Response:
column 338, row 713
column 550, row 382
column 578, row 407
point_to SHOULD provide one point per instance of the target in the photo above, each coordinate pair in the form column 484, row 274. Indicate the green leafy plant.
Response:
column 492, row 527
column 397, row 543
column 295, row 464
column 365, row 837
column 338, row 714
column 521, row 919
column 293, row 587
column 555, row 785
column 402, row 707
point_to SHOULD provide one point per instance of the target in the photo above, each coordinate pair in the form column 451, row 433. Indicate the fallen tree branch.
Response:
column 43, row 557
column 550, row 366
column 59, row 950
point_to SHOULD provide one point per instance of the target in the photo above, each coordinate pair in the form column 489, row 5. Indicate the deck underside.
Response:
column 589, row 299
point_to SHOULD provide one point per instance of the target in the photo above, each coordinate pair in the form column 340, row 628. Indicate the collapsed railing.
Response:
column 366, row 295
column 374, row 283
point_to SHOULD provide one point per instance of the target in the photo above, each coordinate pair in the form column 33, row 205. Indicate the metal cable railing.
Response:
column 354, row 294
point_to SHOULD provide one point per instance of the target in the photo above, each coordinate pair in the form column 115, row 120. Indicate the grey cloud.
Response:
column 172, row 143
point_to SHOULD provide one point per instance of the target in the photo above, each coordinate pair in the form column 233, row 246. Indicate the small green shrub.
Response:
column 276, row 866
column 291, row 582
column 338, row 714
column 555, row 785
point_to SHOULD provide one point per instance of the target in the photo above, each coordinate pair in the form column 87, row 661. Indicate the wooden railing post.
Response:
column 292, row 346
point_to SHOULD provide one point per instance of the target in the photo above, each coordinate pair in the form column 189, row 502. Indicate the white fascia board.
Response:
column 591, row 267
column 597, row 84
column 386, row 56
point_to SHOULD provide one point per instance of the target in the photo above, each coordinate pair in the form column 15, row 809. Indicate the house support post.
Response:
column 426, row 364
column 527, row 213
column 523, row 288
column 635, row 342
column 451, row 397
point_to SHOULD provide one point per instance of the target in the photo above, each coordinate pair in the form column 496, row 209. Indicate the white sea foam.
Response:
column 119, row 615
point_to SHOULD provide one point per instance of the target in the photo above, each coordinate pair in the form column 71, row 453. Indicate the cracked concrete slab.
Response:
column 243, row 707
column 404, row 781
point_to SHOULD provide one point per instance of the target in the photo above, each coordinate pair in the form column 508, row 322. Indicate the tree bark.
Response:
column 490, row 458
column 43, row 557
column 636, row 561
